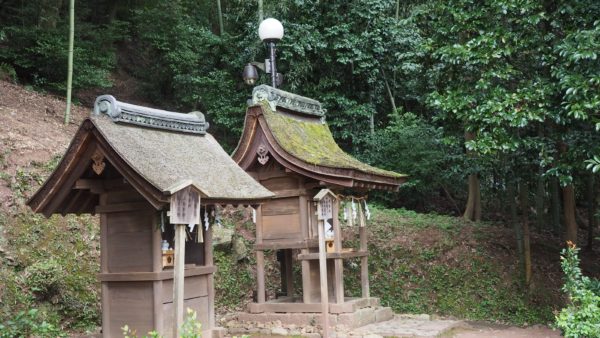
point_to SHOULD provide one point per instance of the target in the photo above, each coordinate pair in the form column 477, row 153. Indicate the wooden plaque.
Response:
column 185, row 206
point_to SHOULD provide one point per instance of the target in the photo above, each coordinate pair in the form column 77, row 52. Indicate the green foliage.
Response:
column 593, row 164
column 34, row 42
column 233, row 279
column 48, row 271
column 29, row 324
column 39, row 55
column 425, row 263
column 581, row 317
column 185, row 63
column 191, row 328
column 7, row 72
column 44, row 278
column 411, row 145
column 578, row 71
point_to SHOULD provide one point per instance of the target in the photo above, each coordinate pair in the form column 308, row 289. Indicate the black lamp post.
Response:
column 270, row 31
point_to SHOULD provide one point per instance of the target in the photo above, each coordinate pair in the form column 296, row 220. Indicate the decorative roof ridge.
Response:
column 122, row 112
column 280, row 98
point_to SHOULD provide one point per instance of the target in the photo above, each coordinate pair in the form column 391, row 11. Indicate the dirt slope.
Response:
column 31, row 132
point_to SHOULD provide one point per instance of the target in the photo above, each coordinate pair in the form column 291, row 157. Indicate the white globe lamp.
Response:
column 270, row 30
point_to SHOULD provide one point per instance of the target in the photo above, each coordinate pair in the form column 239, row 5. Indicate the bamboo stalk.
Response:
column 70, row 61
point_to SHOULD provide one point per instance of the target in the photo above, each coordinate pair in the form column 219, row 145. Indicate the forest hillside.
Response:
column 421, row 263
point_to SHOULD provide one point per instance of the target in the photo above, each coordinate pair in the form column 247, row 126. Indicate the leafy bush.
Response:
column 39, row 56
column 184, row 65
column 44, row 278
column 232, row 280
column 581, row 317
column 191, row 328
column 50, row 270
column 7, row 72
column 410, row 145
column 28, row 324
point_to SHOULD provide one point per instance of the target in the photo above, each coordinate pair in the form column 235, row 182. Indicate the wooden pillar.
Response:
column 178, row 277
column 306, row 284
column 338, row 285
column 323, row 277
column 305, row 218
column 289, row 272
column 260, row 258
column 281, row 258
column 105, row 306
column 208, row 261
column 157, row 267
column 364, row 263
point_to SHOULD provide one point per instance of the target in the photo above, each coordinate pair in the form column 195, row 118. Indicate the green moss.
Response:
column 312, row 142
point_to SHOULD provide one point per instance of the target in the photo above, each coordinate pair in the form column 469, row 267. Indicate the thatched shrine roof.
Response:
column 155, row 151
column 293, row 129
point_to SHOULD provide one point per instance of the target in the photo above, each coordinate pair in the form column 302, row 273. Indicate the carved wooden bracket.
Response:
column 262, row 154
column 99, row 164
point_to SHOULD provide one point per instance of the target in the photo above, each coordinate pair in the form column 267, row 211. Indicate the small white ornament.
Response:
column 218, row 217
column 205, row 220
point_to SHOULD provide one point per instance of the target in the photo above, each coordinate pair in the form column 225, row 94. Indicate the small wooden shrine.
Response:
column 287, row 146
column 129, row 164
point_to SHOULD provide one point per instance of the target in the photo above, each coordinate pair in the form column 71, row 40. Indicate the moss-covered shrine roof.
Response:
column 310, row 140
column 290, row 130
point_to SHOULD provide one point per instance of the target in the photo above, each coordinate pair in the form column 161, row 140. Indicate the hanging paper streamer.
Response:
column 217, row 217
column 162, row 221
column 353, row 209
column 348, row 210
column 189, row 231
column 345, row 208
column 366, row 210
column 328, row 230
column 361, row 215
column 205, row 220
column 253, row 215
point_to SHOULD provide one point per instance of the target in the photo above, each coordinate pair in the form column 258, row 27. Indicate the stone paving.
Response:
column 405, row 326
column 400, row 326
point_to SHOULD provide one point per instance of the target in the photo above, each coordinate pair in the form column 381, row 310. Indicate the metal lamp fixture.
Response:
column 270, row 31
column 250, row 74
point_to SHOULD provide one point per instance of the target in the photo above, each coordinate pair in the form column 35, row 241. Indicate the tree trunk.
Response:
column 70, row 61
column 473, row 207
column 261, row 14
column 389, row 92
column 510, row 192
column 220, row 15
column 568, row 193
column 540, row 197
column 524, row 199
column 591, row 209
column 555, row 205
